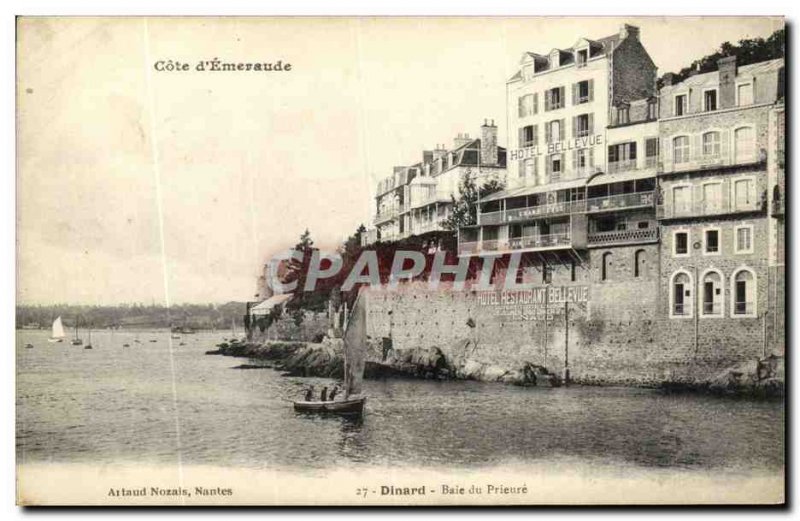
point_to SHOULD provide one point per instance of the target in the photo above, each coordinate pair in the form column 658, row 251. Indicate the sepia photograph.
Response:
column 400, row 261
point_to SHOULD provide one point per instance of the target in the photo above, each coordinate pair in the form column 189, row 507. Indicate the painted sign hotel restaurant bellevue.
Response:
column 556, row 147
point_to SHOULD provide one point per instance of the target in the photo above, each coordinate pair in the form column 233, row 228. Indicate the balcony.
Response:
column 617, row 237
column 620, row 202
column 532, row 212
column 437, row 197
column 525, row 242
column 704, row 209
column 715, row 159
column 621, row 166
column 385, row 216
column 425, row 227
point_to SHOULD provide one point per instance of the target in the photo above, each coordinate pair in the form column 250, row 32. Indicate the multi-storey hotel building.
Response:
column 583, row 155
column 415, row 199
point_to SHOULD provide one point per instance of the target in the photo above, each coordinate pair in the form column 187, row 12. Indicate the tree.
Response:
column 464, row 208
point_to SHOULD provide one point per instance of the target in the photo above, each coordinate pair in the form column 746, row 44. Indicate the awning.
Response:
column 264, row 308
column 538, row 189
column 632, row 175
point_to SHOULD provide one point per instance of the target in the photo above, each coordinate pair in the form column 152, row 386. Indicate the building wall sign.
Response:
column 556, row 147
column 534, row 304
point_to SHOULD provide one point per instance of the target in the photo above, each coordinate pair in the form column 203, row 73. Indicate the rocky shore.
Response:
column 757, row 378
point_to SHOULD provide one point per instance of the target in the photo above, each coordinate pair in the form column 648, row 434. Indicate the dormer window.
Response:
column 527, row 71
column 582, row 57
column 555, row 60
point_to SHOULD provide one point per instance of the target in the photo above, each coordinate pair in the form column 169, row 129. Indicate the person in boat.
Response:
column 334, row 392
column 323, row 397
column 310, row 394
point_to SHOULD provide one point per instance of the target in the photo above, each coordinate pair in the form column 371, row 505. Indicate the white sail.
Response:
column 355, row 345
column 58, row 329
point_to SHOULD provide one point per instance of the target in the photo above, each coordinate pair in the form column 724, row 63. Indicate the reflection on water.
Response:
column 116, row 403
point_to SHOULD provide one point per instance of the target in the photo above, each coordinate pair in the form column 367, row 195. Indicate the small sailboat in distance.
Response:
column 57, row 334
column 355, row 344
column 77, row 341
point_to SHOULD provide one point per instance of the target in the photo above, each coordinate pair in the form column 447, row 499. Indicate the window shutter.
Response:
column 726, row 195
column 547, row 132
column 574, row 93
column 536, row 103
column 591, row 157
column 561, row 128
column 725, row 145
column 548, row 165
column 521, row 107
column 591, row 123
column 521, row 136
column 547, row 101
column 563, row 96
column 697, row 199
column 535, row 134
column 591, row 90
column 574, row 126
column 535, row 169
column 575, row 160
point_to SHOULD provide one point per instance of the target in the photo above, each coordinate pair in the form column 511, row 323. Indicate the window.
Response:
column 712, row 198
column 622, row 156
column 680, row 104
column 682, row 200
column 528, row 169
column 556, row 164
column 638, row 263
column 582, row 57
column 681, row 295
column 744, row 293
column 710, row 100
column 743, row 239
column 554, row 98
column 744, row 144
column 582, row 127
column 527, row 136
column 652, row 109
column 711, row 240
column 527, row 71
column 744, row 94
column 623, row 115
column 581, row 159
column 651, row 152
column 604, row 268
column 680, row 149
column 681, row 243
column 712, row 294
column 582, row 92
column 743, row 194
column 527, row 105
column 554, row 131
column 711, row 144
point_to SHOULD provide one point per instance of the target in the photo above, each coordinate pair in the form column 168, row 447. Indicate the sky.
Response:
column 135, row 185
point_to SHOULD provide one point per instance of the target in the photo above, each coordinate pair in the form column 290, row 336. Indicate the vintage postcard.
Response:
column 400, row 261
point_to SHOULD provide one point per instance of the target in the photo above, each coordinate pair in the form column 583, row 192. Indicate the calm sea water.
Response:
column 149, row 403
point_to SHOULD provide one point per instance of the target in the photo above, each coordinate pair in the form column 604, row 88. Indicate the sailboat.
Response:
column 76, row 341
column 58, row 332
column 355, row 342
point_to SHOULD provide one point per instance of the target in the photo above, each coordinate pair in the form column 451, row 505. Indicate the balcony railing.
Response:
column 620, row 201
column 526, row 242
column 424, row 227
column 532, row 212
column 386, row 215
column 438, row 197
column 623, row 237
column 702, row 208
column 621, row 166
column 714, row 159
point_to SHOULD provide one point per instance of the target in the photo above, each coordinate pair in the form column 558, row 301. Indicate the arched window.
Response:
column 712, row 294
column 638, row 263
column 744, row 293
column 744, row 144
column 681, row 295
column 680, row 149
column 711, row 144
column 604, row 268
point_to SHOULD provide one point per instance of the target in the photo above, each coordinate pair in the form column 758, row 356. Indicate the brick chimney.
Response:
column 488, row 143
column 461, row 139
column 727, row 82
column 439, row 151
column 628, row 31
